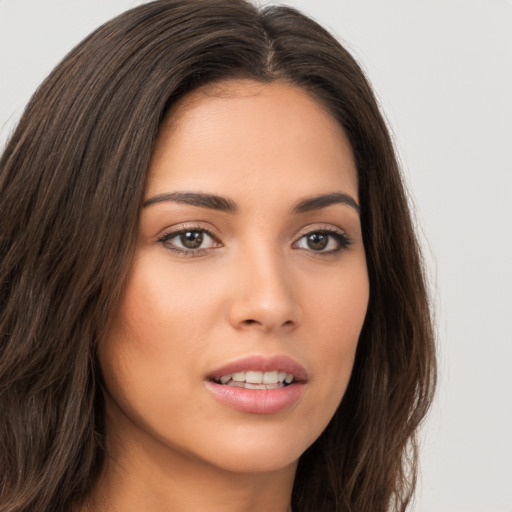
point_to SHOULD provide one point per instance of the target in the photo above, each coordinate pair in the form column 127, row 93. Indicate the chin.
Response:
column 258, row 450
column 260, row 460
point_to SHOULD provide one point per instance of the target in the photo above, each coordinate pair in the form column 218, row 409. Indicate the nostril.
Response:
column 250, row 322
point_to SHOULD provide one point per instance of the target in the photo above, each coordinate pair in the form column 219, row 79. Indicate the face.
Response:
column 235, row 337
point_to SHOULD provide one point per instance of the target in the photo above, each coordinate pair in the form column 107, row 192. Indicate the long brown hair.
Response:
column 72, row 180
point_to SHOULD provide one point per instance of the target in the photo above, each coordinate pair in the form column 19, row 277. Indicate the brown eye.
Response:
column 191, row 239
column 317, row 241
column 189, row 242
column 325, row 242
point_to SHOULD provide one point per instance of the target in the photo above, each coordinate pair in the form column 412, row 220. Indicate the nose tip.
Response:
column 263, row 298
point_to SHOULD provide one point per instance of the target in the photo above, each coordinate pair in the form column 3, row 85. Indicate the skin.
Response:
column 256, row 287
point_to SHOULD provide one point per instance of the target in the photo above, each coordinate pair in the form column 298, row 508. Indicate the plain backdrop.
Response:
column 442, row 70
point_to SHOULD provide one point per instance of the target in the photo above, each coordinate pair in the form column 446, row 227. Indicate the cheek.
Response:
column 338, row 314
column 338, row 308
column 164, row 314
column 154, row 339
column 162, row 328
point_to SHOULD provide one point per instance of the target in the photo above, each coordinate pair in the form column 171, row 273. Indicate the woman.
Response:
column 211, row 292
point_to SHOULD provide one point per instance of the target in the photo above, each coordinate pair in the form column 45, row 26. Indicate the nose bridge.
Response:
column 263, row 293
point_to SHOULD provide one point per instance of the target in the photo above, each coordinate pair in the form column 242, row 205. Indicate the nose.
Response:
column 263, row 294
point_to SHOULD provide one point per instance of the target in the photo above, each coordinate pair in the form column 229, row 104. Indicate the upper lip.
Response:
column 263, row 364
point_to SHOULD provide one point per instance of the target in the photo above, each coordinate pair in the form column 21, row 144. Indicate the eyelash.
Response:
column 342, row 240
column 181, row 230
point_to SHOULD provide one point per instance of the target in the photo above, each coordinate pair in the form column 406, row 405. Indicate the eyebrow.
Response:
column 224, row 204
column 323, row 201
column 195, row 199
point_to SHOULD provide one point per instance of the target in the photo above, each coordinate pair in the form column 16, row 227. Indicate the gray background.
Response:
column 442, row 70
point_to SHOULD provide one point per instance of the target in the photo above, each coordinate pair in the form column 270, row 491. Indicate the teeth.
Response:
column 238, row 377
column 257, row 380
column 254, row 377
column 225, row 378
column 270, row 378
column 248, row 385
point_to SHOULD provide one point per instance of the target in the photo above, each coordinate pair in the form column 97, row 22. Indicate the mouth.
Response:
column 260, row 372
column 259, row 384
column 254, row 379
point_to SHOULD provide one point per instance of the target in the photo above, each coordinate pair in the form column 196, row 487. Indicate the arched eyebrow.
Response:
column 325, row 200
column 195, row 199
column 227, row 205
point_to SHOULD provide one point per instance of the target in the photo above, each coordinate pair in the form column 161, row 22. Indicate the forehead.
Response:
column 251, row 135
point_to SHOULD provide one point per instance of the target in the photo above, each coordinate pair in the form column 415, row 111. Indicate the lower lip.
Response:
column 257, row 401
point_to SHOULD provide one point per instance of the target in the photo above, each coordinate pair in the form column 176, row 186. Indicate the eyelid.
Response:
column 192, row 225
column 320, row 227
column 343, row 239
column 179, row 229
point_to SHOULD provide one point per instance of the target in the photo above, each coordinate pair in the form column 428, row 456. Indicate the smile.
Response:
column 254, row 379
column 259, row 384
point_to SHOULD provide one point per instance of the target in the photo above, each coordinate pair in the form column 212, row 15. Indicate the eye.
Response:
column 323, row 241
column 189, row 241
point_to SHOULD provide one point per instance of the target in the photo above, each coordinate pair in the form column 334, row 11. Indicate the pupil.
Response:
column 317, row 241
column 192, row 239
